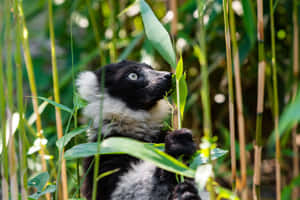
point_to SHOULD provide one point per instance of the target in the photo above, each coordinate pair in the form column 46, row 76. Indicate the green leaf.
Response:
column 134, row 148
column 39, row 181
column 157, row 34
column 79, row 102
column 63, row 141
column 288, row 118
column 200, row 159
column 48, row 189
column 62, row 107
column 183, row 93
column 179, row 68
column 249, row 20
column 225, row 194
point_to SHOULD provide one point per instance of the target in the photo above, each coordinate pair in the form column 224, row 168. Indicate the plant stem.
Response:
column 296, row 192
column 4, row 155
column 173, row 6
column 275, row 99
column 14, row 188
column 178, row 105
column 112, row 45
column 260, row 101
column 22, row 133
column 29, row 66
column 97, row 156
column 57, row 100
column 96, row 31
column 205, row 95
column 230, row 88
column 239, row 102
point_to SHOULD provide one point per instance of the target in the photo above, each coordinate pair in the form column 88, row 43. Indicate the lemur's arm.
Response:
column 179, row 143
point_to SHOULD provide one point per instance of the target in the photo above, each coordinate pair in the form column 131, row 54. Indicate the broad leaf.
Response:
column 48, row 189
column 179, row 69
column 157, row 34
column 134, row 148
column 39, row 181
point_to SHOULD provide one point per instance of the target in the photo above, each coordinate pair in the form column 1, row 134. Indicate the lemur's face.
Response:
column 136, row 84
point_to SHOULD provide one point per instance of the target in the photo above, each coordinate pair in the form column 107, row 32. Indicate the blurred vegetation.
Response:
column 121, row 36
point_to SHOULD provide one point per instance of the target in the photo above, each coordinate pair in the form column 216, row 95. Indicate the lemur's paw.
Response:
column 180, row 142
column 185, row 191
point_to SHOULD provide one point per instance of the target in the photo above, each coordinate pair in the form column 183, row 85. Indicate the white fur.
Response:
column 126, row 120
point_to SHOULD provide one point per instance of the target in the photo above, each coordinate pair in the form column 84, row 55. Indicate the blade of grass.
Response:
column 296, row 191
column 14, row 188
column 205, row 95
column 57, row 100
column 22, row 133
column 113, row 27
column 260, row 102
column 96, row 32
column 275, row 102
column 4, row 156
column 230, row 88
column 29, row 66
column 239, row 103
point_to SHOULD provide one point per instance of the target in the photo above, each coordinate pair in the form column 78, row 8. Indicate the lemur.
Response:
column 133, row 107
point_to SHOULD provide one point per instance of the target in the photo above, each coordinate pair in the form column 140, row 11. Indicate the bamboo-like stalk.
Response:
column 22, row 133
column 57, row 100
column 4, row 155
column 205, row 95
column 260, row 101
column 296, row 191
column 96, row 31
column 239, row 103
column 275, row 100
column 14, row 188
column 173, row 6
column 230, row 88
column 29, row 66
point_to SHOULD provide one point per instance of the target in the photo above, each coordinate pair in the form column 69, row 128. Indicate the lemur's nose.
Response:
column 168, row 75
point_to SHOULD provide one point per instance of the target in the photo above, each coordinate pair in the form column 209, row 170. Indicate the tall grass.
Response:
column 260, row 102
column 275, row 102
column 4, row 155
column 21, row 128
column 296, row 192
column 205, row 94
column 239, row 102
column 14, row 188
column 59, row 127
column 230, row 87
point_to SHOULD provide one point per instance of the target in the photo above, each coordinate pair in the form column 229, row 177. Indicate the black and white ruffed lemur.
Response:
column 134, row 107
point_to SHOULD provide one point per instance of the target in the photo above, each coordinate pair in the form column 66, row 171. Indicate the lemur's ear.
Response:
column 87, row 85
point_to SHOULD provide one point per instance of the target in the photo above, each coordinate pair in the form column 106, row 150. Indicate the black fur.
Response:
column 141, row 94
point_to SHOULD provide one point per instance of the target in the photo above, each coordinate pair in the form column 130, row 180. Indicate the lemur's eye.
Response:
column 133, row 76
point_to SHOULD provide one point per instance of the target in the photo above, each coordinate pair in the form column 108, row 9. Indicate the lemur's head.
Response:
column 138, row 85
column 132, row 90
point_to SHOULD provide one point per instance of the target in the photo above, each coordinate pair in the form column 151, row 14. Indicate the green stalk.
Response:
column 96, row 32
column 22, row 133
column 260, row 101
column 4, row 156
column 205, row 95
column 29, row 66
column 57, row 100
column 112, row 46
column 296, row 192
column 14, row 190
column 230, row 87
column 239, row 102
column 275, row 99
column 97, row 156
column 178, row 105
